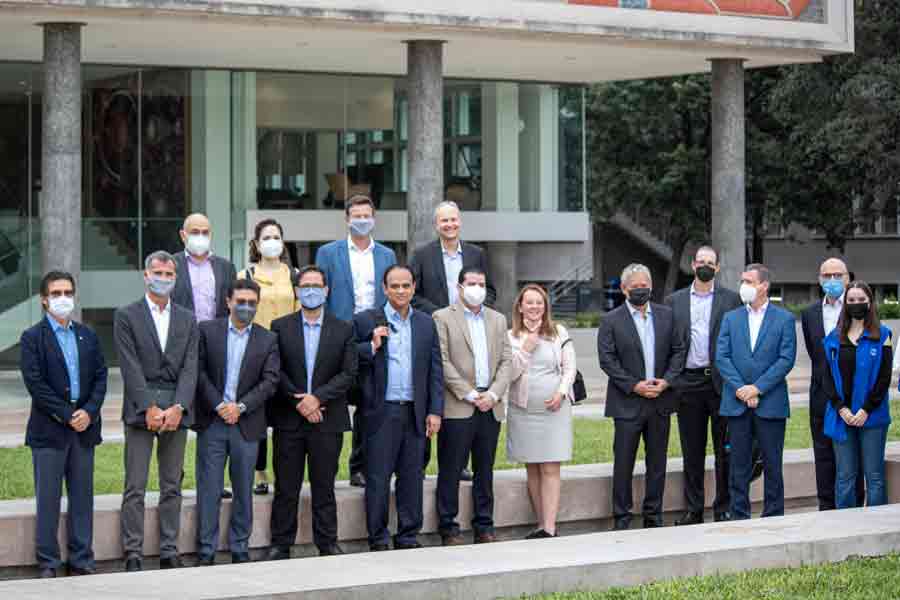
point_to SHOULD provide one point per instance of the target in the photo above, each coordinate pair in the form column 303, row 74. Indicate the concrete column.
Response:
column 243, row 161
column 504, row 271
column 61, row 150
column 539, row 148
column 500, row 129
column 425, row 86
column 728, row 168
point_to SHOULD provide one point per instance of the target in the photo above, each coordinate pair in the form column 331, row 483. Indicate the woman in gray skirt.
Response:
column 539, row 417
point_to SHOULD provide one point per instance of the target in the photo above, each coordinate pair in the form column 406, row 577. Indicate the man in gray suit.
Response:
column 157, row 343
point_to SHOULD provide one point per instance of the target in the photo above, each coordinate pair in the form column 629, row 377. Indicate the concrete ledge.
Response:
column 586, row 496
column 509, row 569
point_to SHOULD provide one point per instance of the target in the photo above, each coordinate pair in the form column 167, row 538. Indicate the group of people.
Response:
column 419, row 352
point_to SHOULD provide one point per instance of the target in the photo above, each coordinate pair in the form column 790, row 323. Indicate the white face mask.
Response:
column 271, row 248
column 61, row 306
column 474, row 295
column 197, row 244
column 748, row 293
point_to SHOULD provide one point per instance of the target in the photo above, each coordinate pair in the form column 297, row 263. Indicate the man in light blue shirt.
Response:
column 399, row 388
column 312, row 332
column 65, row 335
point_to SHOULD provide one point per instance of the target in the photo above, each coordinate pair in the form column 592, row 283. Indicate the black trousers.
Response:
column 826, row 466
column 358, row 450
column 293, row 450
column 699, row 407
column 654, row 428
column 262, row 455
column 458, row 438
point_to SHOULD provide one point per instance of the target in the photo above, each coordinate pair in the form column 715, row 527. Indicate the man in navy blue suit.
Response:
column 65, row 373
column 402, row 384
column 756, row 350
column 354, row 269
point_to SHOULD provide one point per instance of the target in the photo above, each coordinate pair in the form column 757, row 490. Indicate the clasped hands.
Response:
column 310, row 408
column 749, row 395
column 80, row 420
column 158, row 419
column 854, row 420
column 230, row 412
column 651, row 388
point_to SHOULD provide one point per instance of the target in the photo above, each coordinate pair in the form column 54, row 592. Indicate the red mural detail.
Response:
column 790, row 9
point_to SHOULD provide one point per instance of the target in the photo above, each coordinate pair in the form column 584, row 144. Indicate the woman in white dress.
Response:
column 539, row 415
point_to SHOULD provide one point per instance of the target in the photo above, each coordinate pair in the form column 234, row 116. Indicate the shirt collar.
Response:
column 837, row 303
column 238, row 332
column 154, row 308
column 457, row 254
column 353, row 247
column 393, row 315
column 199, row 262
column 54, row 324
column 469, row 313
column 702, row 294
column 761, row 311
column 636, row 311
column 318, row 322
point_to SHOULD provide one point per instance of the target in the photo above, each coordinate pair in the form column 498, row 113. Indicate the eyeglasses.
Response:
column 831, row 276
column 250, row 303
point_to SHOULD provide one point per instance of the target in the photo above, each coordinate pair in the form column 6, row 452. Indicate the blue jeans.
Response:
column 868, row 442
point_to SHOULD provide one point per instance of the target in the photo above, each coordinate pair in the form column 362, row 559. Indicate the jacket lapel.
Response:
column 247, row 350
column 437, row 260
column 636, row 336
column 183, row 280
column 463, row 325
column 764, row 328
column 380, row 260
column 818, row 322
column 713, row 316
column 343, row 260
column 82, row 355
column 55, row 348
column 659, row 357
column 296, row 333
column 151, row 326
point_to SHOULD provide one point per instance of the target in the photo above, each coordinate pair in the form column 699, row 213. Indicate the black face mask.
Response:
column 705, row 273
column 639, row 296
column 858, row 311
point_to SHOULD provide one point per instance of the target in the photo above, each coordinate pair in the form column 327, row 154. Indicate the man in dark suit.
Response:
column 818, row 320
column 203, row 277
column 238, row 372
column 698, row 312
column 157, row 343
column 437, row 266
column 65, row 373
column 309, row 414
column 402, row 383
column 640, row 352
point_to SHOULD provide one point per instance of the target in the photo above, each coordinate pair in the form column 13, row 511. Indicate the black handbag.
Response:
column 579, row 390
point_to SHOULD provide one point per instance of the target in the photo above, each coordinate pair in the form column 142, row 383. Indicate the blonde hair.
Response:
column 548, row 327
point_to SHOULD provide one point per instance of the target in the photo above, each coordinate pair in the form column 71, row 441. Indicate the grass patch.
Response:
column 854, row 579
column 593, row 444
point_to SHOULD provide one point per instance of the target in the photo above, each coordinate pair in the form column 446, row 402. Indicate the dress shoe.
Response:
column 332, row 550
column 452, row 539
column 170, row 562
column 539, row 534
column 622, row 524
column 261, row 489
column 689, row 518
column 651, row 521
column 485, row 537
column 279, row 553
column 226, row 494
column 722, row 516
column 76, row 571
column 133, row 565
column 240, row 557
column 358, row 480
column 412, row 546
column 379, row 548
column 205, row 561
column 48, row 573
column 466, row 475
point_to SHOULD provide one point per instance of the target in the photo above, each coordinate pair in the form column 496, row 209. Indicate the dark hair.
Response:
column 358, row 200
column 762, row 270
column 871, row 324
column 470, row 271
column 255, row 255
column 242, row 284
column 55, row 276
column 312, row 269
column 393, row 268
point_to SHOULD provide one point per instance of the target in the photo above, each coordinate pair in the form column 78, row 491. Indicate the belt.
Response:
column 705, row 371
column 399, row 402
column 481, row 390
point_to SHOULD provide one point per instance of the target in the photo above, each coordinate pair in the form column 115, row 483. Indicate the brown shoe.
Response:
column 485, row 538
column 452, row 540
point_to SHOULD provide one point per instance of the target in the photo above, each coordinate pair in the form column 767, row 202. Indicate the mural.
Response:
column 784, row 9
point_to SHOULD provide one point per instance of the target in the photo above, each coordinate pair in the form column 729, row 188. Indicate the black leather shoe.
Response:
column 205, row 561
column 262, row 488
column 412, row 546
column 48, row 573
column 723, row 516
column 239, row 557
column 358, row 480
column 279, row 553
column 689, row 518
column 651, row 521
column 132, row 565
column 226, row 494
column 170, row 562
column 466, row 475
column 76, row 571
column 378, row 547
column 622, row 524
column 332, row 550
column 539, row 534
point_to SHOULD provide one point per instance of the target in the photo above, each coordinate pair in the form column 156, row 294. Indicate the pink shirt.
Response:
column 203, row 286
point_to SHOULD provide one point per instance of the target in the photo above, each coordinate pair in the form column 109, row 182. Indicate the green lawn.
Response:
column 855, row 579
column 593, row 444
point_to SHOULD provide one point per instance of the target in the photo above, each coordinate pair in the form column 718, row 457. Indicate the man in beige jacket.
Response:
column 477, row 369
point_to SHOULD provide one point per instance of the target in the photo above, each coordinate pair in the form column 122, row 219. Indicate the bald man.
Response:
column 202, row 277
column 819, row 319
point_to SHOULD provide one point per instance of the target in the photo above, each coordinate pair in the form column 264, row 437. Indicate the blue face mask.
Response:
column 833, row 288
column 311, row 297
column 362, row 227
column 159, row 286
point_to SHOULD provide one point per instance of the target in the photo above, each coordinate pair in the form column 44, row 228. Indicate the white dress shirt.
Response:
column 453, row 265
column 831, row 312
column 161, row 318
column 362, row 267
column 644, row 324
column 701, row 315
column 478, row 333
column 755, row 318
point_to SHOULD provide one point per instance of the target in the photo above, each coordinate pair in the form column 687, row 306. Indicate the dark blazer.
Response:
column 223, row 272
column 428, row 372
column 724, row 300
column 333, row 373
column 47, row 379
column 621, row 357
column 431, row 279
column 142, row 360
column 814, row 335
column 257, row 380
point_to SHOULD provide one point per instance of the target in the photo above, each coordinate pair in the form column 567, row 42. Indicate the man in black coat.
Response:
column 698, row 311
column 238, row 370
column 309, row 414
column 639, row 351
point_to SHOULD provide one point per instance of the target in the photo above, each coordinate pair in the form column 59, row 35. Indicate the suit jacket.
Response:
column 622, row 358
column 431, row 278
column 334, row 259
column 47, row 380
column 814, row 335
column 458, row 359
column 766, row 367
column 333, row 373
column 223, row 272
column 142, row 360
column 428, row 373
column 257, row 380
column 724, row 300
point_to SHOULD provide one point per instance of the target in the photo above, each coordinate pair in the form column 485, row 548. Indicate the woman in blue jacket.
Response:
column 859, row 353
